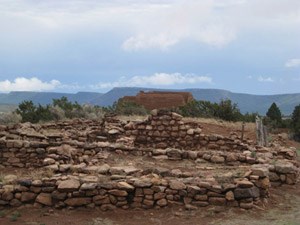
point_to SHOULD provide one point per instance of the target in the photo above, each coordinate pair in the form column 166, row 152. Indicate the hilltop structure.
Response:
column 160, row 99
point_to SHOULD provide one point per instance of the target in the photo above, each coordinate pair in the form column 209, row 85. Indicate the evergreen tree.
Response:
column 274, row 114
column 228, row 111
column 296, row 122
column 27, row 110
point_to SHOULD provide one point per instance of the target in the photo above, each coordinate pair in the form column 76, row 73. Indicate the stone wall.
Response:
column 28, row 145
column 146, row 192
column 62, row 145
column 72, row 149
column 165, row 129
column 160, row 100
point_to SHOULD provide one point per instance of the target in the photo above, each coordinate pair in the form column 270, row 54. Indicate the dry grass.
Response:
column 212, row 121
column 209, row 121
column 36, row 174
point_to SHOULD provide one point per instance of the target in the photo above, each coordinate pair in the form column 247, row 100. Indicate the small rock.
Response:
column 229, row 196
column 245, row 205
column 260, row 171
column 142, row 183
column 119, row 193
column 190, row 207
column 78, row 201
column 244, row 184
column 48, row 161
column 113, row 131
column 44, row 199
column 88, row 186
column 27, row 196
column 284, row 167
column 240, row 193
column 177, row 185
column 217, row 159
column 125, row 186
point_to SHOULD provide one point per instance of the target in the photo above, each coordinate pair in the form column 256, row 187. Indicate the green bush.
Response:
column 249, row 117
column 27, row 110
column 71, row 109
column 60, row 109
column 198, row 109
column 128, row 108
column 32, row 113
column 228, row 111
column 57, row 113
column 225, row 110
column 44, row 113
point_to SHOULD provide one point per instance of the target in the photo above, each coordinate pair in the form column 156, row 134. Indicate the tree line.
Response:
column 59, row 109
column 226, row 110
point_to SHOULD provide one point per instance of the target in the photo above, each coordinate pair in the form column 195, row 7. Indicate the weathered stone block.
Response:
column 240, row 193
column 68, row 185
column 44, row 199
column 78, row 201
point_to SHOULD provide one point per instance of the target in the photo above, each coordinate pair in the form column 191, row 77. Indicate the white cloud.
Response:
column 265, row 79
column 28, row 84
column 147, row 24
column 217, row 36
column 157, row 79
column 180, row 21
column 139, row 42
column 292, row 63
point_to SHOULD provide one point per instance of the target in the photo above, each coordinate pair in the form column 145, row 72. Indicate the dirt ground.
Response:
column 283, row 209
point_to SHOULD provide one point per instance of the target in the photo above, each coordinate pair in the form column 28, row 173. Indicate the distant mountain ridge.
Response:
column 246, row 102
column 43, row 98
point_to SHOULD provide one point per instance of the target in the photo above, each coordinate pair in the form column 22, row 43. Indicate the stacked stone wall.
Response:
column 160, row 100
column 165, row 129
column 90, row 191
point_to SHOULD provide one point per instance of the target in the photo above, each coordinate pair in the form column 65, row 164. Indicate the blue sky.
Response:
column 247, row 46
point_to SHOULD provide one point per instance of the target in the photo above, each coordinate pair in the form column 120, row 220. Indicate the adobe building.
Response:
column 160, row 99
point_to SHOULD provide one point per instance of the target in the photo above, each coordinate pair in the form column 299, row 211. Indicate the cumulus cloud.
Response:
column 292, row 63
column 265, row 79
column 28, row 84
column 147, row 24
column 139, row 42
column 215, row 23
column 180, row 21
column 157, row 79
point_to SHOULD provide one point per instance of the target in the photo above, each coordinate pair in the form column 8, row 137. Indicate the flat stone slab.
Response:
column 68, row 185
